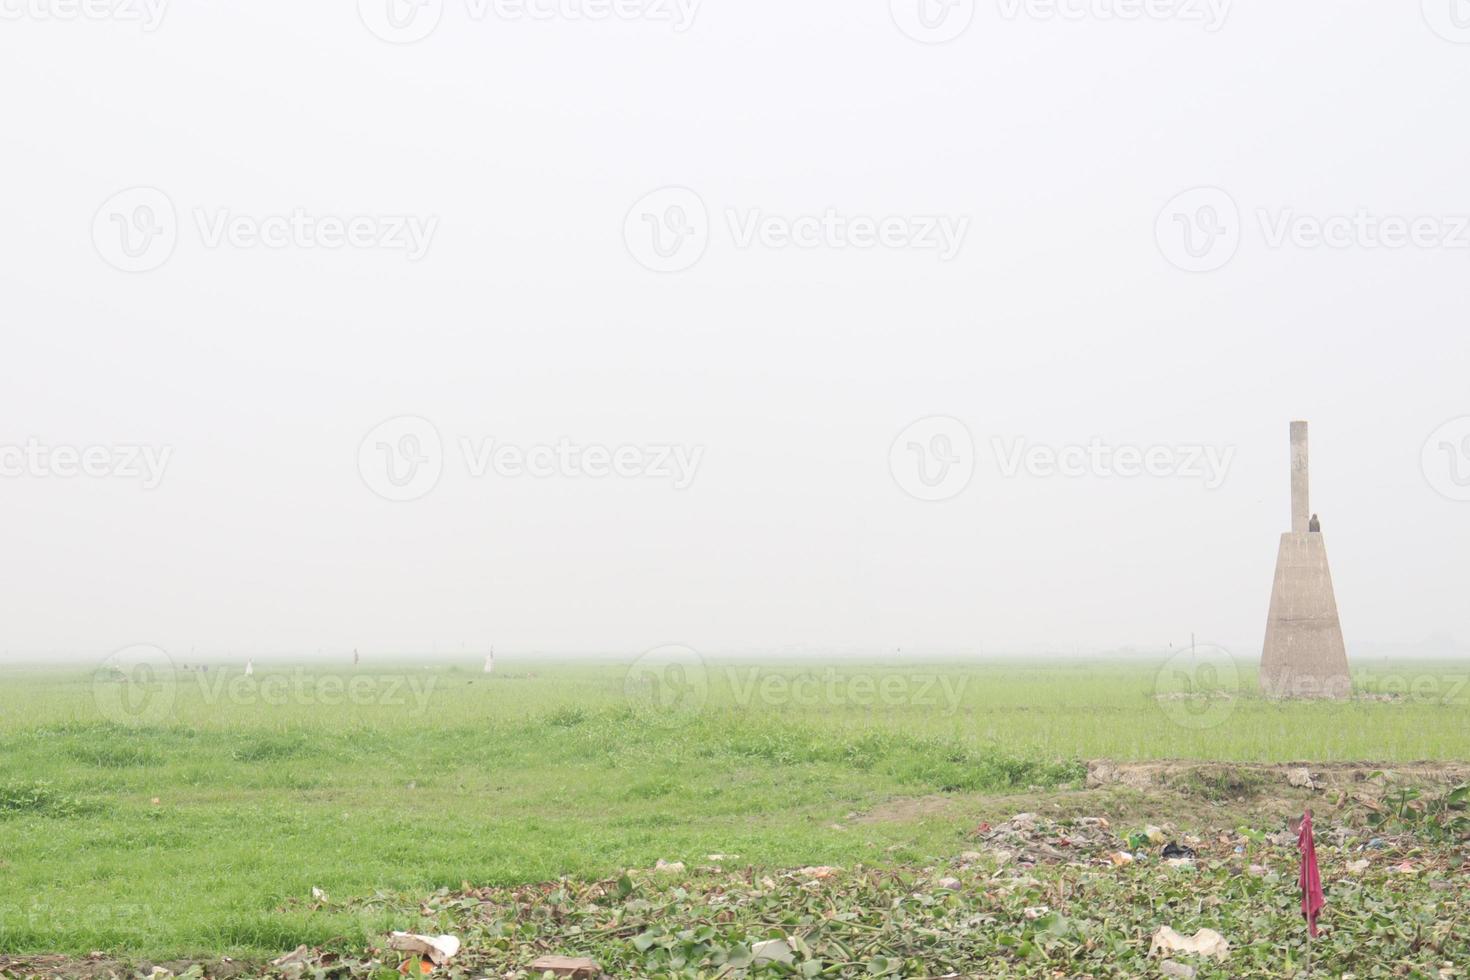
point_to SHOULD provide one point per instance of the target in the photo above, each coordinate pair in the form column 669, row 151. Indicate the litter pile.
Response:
column 1035, row 896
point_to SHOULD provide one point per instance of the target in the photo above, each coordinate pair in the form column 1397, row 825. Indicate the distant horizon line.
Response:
column 1442, row 645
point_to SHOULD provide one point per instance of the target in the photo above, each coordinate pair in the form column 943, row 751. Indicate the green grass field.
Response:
column 189, row 814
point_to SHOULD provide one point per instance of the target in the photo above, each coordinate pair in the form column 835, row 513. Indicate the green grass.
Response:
column 412, row 779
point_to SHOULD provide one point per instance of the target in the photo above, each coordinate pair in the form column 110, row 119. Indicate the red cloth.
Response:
column 1309, row 880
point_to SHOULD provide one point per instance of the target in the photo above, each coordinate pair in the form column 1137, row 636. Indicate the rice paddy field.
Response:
column 174, row 812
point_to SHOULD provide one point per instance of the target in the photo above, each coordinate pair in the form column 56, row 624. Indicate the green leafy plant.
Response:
column 1438, row 818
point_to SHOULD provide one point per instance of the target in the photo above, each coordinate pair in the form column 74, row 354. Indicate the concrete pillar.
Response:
column 1301, row 507
column 1304, row 655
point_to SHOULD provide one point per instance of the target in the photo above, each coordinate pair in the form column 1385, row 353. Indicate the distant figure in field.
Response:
column 490, row 662
column 250, row 668
column 355, row 658
column 1314, row 526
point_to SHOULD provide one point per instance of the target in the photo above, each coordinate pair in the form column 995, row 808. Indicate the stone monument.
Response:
column 1304, row 655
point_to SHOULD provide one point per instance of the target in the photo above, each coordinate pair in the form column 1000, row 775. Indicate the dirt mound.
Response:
column 1247, row 780
column 906, row 808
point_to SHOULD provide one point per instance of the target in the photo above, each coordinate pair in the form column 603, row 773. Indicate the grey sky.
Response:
column 498, row 289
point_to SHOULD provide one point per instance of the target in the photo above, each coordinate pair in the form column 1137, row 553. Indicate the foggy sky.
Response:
column 529, row 320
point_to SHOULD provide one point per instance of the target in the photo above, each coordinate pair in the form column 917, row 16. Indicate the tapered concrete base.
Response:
column 1304, row 656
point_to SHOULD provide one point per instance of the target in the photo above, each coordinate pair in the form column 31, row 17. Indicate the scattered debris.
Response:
column 439, row 949
column 317, row 894
column 1035, row 912
column 950, row 884
column 1029, row 839
column 298, row 955
column 819, row 873
column 1302, row 779
column 1357, row 867
column 1173, row 850
column 1183, row 970
column 1120, row 858
column 772, row 951
column 671, row 867
column 1206, row 942
column 575, row 967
